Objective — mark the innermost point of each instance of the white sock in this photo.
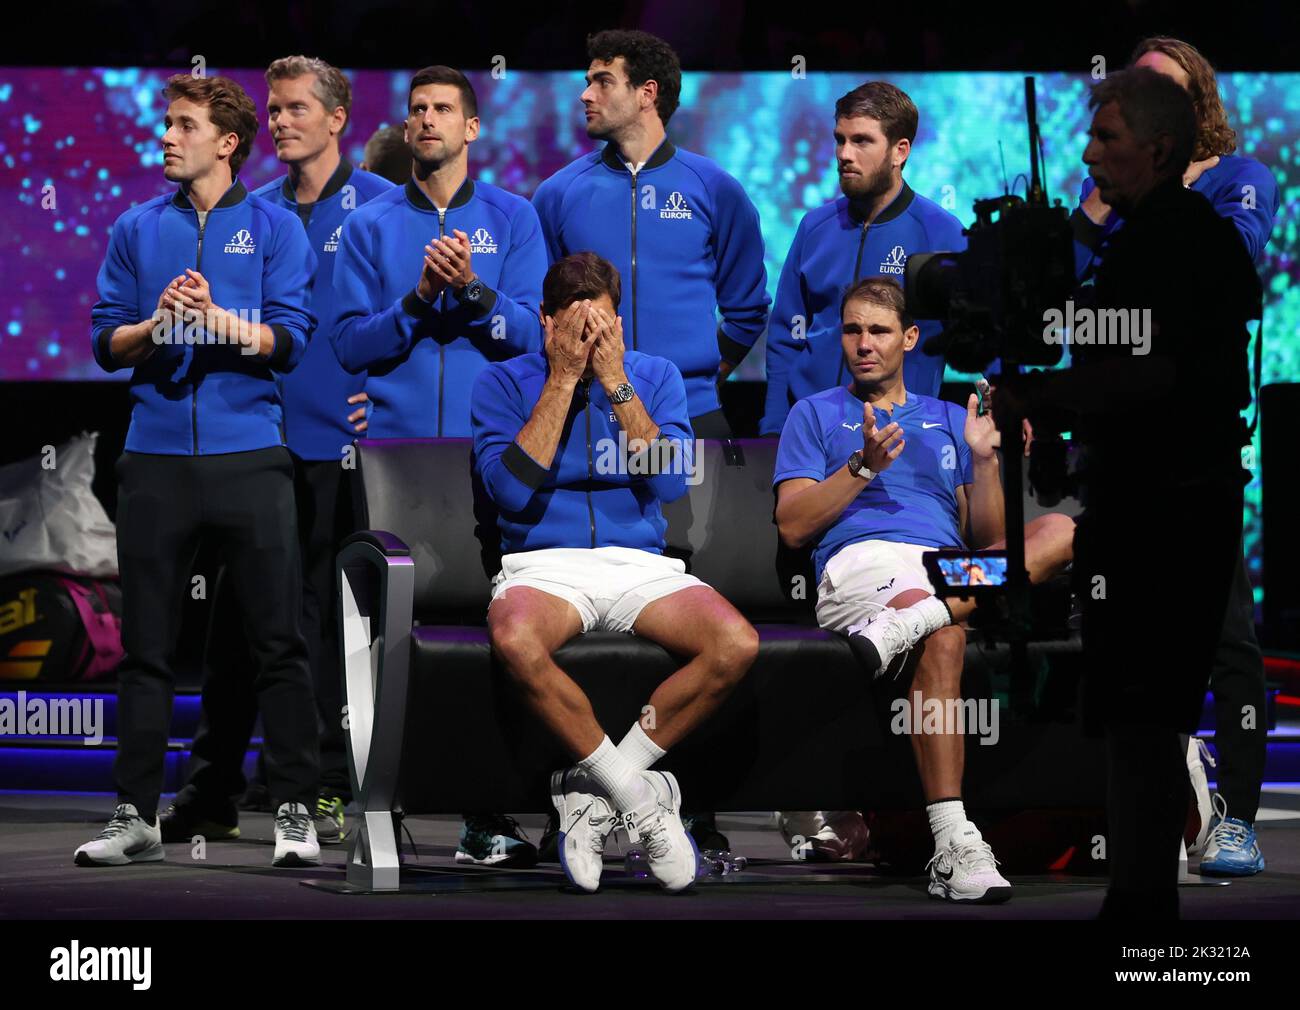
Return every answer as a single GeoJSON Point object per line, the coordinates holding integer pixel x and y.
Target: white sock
{"type": "Point", "coordinates": [919, 619]}
{"type": "Point", "coordinates": [639, 749]}
{"type": "Point", "coordinates": [618, 776]}
{"type": "Point", "coordinates": [946, 816]}
{"type": "Point", "coordinates": [934, 614]}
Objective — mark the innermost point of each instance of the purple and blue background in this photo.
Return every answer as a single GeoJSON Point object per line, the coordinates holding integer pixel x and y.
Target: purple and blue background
{"type": "Point", "coordinates": [80, 146]}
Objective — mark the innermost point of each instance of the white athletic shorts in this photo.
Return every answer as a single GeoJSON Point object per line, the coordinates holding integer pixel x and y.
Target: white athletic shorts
{"type": "Point", "coordinates": [860, 579]}
{"type": "Point", "coordinates": [608, 586]}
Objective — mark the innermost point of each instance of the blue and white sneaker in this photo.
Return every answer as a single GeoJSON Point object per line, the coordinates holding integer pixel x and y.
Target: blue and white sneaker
{"type": "Point", "coordinates": [1232, 849]}
{"type": "Point", "coordinates": [495, 840]}
{"type": "Point", "coordinates": [586, 821]}
{"type": "Point", "coordinates": [656, 826]}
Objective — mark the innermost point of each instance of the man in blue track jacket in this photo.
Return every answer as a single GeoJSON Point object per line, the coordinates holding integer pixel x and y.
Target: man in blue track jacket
{"type": "Point", "coordinates": [577, 447]}
{"type": "Point", "coordinates": [204, 293]}
{"type": "Point", "coordinates": [870, 230]}
{"type": "Point", "coordinates": [308, 105]}
{"type": "Point", "coordinates": [438, 277]}
{"type": "Point", "coordinates": [680, 230]}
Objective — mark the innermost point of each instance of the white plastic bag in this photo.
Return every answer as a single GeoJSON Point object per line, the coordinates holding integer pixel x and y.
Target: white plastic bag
{"type": "Point", "coordinates": [49, 516]}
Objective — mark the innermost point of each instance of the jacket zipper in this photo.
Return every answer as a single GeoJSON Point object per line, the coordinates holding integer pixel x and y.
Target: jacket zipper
{"type": "Point", "coordinates": [194, 394]}
{"type": "Point", "coordinates": [591, 470]}
{"type": "Point", "coordinates": [632, 172]}
{"type": "Point", "coordinates": [857, 266]}
{"type": "Point", "coordinates": [442, 325]}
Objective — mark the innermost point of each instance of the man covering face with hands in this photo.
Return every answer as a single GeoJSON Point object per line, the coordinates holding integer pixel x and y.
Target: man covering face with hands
{"type": "Point", "coordinates": [583, 545]}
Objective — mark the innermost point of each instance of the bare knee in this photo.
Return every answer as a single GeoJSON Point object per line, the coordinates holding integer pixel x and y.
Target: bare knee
{"type": "Point", "coordinates": [1056, 531]}
{"type": "Point", "coordinates": [943, 658]}
{"type": "Point", "coordinates": [518, 645]}
{"type": "Point", "coordinates": [734, 649]}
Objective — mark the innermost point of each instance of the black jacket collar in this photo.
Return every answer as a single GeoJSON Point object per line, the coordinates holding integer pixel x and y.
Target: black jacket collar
{"type": "Point", "coordinates": [1170, 192]}
{"type": "Point", "coordinates": [661, 155]}
{"type": "Point", "coordinates": [235, 194]}
{"type": "Point", "coordinates": [336, 182]}
{"type": "Point", "coordinates": [416, 195]}
{"type": "Point", "coordinates": [895, 209]}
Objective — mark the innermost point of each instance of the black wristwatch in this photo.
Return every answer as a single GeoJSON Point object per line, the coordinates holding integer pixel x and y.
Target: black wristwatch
{"type": "Point", "coordinates": [856, 467]}
{"type": "Point", "coordinates": [471, 293]}
{"type": "Point", "coordinates": [622, 393]}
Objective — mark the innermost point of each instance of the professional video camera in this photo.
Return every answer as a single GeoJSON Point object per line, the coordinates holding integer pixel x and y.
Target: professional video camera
{"type": "Point", "coordinates": [993, 299]}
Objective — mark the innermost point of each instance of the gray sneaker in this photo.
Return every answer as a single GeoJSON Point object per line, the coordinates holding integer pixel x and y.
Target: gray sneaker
{"type": "Point", "coordinates": [330, 829]}
{"type": "Point", "coordinates": [125, 839]}
{"type": "Point", "coordinates": [295, 837]}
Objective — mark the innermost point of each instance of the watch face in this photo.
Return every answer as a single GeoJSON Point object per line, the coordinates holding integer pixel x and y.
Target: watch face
{"type": "Point", "coordinates": [622, 393]}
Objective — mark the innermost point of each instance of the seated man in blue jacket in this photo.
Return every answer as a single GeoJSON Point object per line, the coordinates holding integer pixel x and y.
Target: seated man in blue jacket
{"type": "Point", "coordinates": [578, 446]}
{"type": "Point", "coordinates": [205, 294]}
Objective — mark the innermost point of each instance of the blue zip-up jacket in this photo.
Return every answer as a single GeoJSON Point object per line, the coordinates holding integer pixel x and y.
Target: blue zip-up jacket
{"type": "Point", "coordinates": [687, 244]}
{"type": "Point", "coordinates": [834, 248]}
{"type": "Point", "coordinates": [1241, 189]}
{"type": "Point", "coordinates": [201, 398]}
{"type": "Point", "coordinates": [316, 392]}
{"type": "Point", "coordinates": [423, 359]}
{"type": "Point", "coordinates": [588, 497]}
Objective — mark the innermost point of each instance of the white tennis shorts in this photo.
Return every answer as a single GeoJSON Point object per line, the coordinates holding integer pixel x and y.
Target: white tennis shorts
{"type": "Point", "coordinates": [861, 579]}
{"type": "Point", "coordinates": [608, 586]}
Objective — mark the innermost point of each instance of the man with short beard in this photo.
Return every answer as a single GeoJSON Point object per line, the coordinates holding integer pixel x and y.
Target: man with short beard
{"type": "Point", "coordinates": [436, 280]}
{"type": "Point", "coordinates": [438, 277]}
{"type": "Point", "coordinates": [870, 230]}
{"type": "Point", "coordinates": [681, 232]}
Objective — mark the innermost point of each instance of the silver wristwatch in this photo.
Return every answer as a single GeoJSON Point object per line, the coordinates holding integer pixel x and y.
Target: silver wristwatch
{"type": "Point", "coordinates": [622, 393]}
{"type": "Point", "coordinates": [857, 469]}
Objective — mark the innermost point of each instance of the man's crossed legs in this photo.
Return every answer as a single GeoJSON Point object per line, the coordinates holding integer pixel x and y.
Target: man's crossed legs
{"type": "Point", "coordinates": [879, 594]}
{"type": "Point", "coordinates": [544, 598]}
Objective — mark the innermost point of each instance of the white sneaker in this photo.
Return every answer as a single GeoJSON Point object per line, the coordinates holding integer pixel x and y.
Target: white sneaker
{"type": "Point", "coordinates": [965, 870]}
{"type": "Point", "coordinates": [125, 839]}
{"type": "Point", "coordinates": [1197, 754]}
{"type": "Point", "coordinates": [657, 827]}
{"type": "Point", "coordinates": [295, 837]}
{"type": "Point", "coordinates": [586, 821]}
{"type": "Point", "coordinates": [825, 836]}
{"type": "Point", "coordinates": [884, 637]}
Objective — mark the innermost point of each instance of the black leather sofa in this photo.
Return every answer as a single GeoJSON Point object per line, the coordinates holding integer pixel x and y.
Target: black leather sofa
{"type": "Point", "coordinates": [436, 725]}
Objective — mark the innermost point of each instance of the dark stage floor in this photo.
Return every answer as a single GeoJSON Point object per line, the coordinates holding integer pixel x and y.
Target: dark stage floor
{"type": "Point", "coordinates": [39, 831]}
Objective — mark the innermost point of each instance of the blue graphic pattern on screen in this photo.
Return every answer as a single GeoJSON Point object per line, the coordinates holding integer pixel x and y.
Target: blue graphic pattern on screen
{"type": "Point", "coordinates": [80, 146]}
{"type": "Point", "coordinates": [957, 571]}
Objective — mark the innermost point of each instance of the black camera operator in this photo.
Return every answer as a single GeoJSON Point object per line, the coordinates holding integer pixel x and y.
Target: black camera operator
{"type": "Point", "coordinates": [1155, 406]}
